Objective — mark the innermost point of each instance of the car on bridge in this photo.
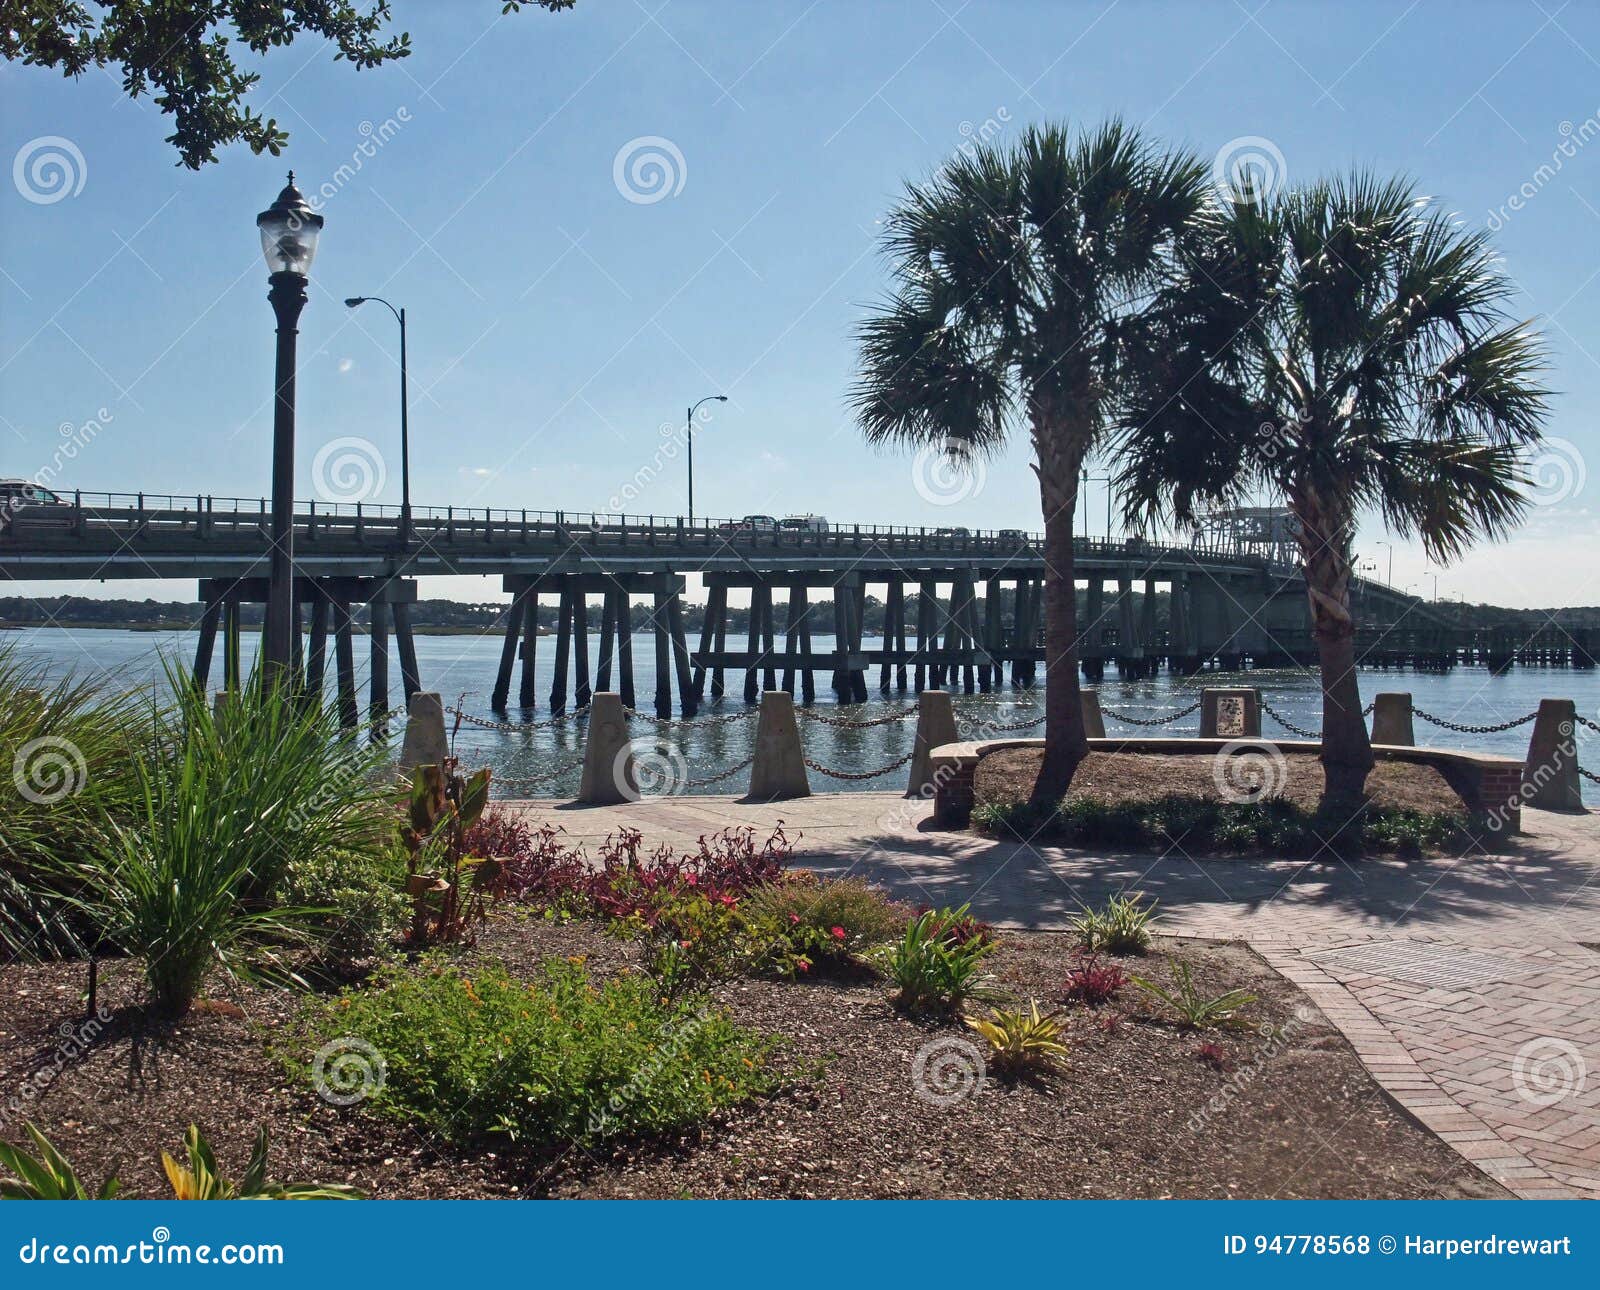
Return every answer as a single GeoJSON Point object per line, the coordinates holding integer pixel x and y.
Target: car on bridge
{"type": "Point", "coordinates": [957, 531]}
{"type": "Point", "coordinates": [749, 524]}
{"type": "Point", "coordinates": [37, 503]}
{"type": "Point", "coordinates": [804, 524]}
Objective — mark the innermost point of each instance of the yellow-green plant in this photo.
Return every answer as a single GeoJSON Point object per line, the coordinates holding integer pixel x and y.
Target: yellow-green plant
{"type": "Point", "coordinates": [1021, 1041]}
{"type": "Point", "coordinates": [46, 1176]}
{"type": "Point", "coordinates": [50, 1176]}
{"type": "Point", "coordinates": [200, 1179]}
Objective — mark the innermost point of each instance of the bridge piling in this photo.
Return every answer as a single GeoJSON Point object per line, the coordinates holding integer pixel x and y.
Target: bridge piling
{"type": "Point", "coordinates": [688, 701]}
{"type": "Point", "coordinates": [608, 641]}
{"type": "Point", "coordinates": [530, 647]}
{"type": "Point", "coordinates": [345, 661]}
{"type": "Point", "coordinates": [582, 693]}
{"type": "Point", "coordinates": [410, 678]}
{"type": "Point", "coordinates": [663, 652]}
{"type": "Point", "coordinates": [378, 643]}
{"type": "Point", "coordinates": [625, 648]}
{"type": "Point", "coordinates": [317, 647]}
{"type": "Point", "coordinates": [209, 618]}
{"type": "Point", "coordinates": [558, 674]}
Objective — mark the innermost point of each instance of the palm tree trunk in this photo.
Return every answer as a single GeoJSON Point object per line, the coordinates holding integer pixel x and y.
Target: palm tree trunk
{"type": "Point", "coordinates": [1065, 743]}
{"type": "Point", "coordinates": [1346, 749]}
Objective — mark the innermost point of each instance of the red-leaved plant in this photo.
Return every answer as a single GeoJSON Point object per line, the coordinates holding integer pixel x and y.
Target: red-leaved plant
{"type": "Point", "coordinates": [1092, 982]}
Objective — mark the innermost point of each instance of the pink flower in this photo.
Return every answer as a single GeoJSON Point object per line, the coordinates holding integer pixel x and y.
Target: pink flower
{"type": "Point", "coordinates": [838, 933]}
{"type": "Point", "coordinates": [794, 919]}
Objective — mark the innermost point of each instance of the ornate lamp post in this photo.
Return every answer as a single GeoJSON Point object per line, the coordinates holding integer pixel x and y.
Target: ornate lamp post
{"type": "Point", "coordinates": [355, 302]}
{"type": "Point", "coordinates": [689, 426]}
{"type": "Point", "coordinates": [289, 231]}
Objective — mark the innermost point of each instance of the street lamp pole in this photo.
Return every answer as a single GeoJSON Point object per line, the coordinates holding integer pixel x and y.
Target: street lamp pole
{"type": "Point", "coordinates": [1388, 577]}
{"type": "Point", "coordinates": [289, 230]}
{"type": "Point", "coordinates": [688, 423]}
{"type": "Point", "coordinates": [405, 400]}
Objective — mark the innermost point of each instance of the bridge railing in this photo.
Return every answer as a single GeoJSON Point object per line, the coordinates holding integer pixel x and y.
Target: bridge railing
{"type": "Point", "coordinates": [207, 515]}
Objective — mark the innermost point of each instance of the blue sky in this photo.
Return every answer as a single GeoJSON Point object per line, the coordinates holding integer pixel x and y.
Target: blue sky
{"type": "Point", "coordinates": [558, 328]}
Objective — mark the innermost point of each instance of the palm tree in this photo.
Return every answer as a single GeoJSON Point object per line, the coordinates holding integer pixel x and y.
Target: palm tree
{"type": "Point", "coordinates": [1345, 347]}
{"type": "Point", "coordinates": [1018, 275]}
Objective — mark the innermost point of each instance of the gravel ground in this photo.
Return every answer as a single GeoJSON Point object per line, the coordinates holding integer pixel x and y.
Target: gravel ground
{"type": "Point", "coordinates": [1133, 1113]}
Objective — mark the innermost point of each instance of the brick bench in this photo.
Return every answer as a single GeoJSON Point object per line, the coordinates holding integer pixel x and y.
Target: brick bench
{"type": "Point", "coordinates": [1490, 785]}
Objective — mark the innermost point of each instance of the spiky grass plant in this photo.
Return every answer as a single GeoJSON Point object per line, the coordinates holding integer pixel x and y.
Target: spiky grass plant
{"type": "Point", "coordinates": [69, 754]}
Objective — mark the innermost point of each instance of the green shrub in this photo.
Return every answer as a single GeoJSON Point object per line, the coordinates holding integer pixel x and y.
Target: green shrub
{"type": "Point", "coordinates": [808, 923]}
{"type": "Point", "coordinates": [1120, 926]}
{"type": "Point", "coordinates": [357, 910]}
{"type": "Point", "coordinates": [930, 970]}
{"type": "Point", "coordinates": [553, 1061]}
{"type": "Point", "coordinates": [689, 940]}
{"type": "Point", "coordinates": [69, 755]}
{"type": "Point", "coordinates": [1273, 826]}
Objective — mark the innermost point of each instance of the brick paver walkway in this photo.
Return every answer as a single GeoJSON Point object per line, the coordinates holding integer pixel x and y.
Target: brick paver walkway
{"type": "Point", "coordinates": [1469, 987]}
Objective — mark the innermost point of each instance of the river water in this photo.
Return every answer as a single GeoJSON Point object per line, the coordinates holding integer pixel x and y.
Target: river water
{"type": "Point", "coordinates": [462, 668]}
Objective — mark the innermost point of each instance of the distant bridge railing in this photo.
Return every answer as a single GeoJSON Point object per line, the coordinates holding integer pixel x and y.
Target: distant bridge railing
{"type": "Point", "coordinates": [205, 516]}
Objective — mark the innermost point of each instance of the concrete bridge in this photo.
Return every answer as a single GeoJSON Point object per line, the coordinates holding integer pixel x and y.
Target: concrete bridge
{"type": "Point", "coordinates": [973, 616]}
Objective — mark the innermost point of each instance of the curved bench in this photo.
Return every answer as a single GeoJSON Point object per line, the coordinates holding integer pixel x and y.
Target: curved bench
{"type": "Point", "coordinates": [1490, 785]}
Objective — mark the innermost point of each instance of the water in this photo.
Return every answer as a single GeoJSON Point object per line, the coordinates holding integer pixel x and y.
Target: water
{"type": "Point", "coordinates": [463, 668]}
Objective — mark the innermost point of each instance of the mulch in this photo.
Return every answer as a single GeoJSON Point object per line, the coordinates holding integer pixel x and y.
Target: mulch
{"type": "Point", "coordinates": [1007, 775]}
{"type": "Point", "coordinates": [1134, 1113]}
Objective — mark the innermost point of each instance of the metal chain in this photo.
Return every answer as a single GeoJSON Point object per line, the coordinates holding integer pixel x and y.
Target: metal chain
{"type": "Point", "coordinates": [1472, 730]}
{"type": "Point", "coordinates": [870, 774]}
{"type": "Point", "coordinates": [1584, 721]}
{"type": "Point", "coordinates": [978, 723]}
{"type": "Point", "coordinates": [844, 723]}
{"type": "Point", "coordinates": [1153, 721]}
{"type": "Point", "coordinates": [517, 727]}
{"type": "Point", "coordinates": [727, 719]}
{"type": "Point", "coordinates": [531, 780]}
{"type": "Point", "coordinates": [1289, 725]}
{"type": "Point", "coordinates": [1589, 775]}
{"type": "Point", "coordinates": [721, 774]}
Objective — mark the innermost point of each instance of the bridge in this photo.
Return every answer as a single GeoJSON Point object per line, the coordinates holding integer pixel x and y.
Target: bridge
{"type": "Point", "coordinates": [1222, 602]}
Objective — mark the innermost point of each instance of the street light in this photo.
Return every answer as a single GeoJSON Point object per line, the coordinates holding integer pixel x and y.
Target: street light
{"type": "Point", "coordinates": [1389, 577]}
{"type": "Point", "coordinates": [688, 422]}
{"type": "Point", "coordinates": [405, 438]}
{"type": "Point", "coordinates": [289, 231]}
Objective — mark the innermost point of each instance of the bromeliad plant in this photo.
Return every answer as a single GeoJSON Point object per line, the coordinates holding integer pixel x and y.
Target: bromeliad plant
{"type": "Point", "coordinates": [1195, 1010]}
{"type": "Point", "coordinates": [50, 1175]}
{"type": "Point", "coordinates": [1021, 1042]}
{"type": "Point", "coordinates": [448, 886]}
{"type": "Point", "coordinates": [1120, 926]}
{"type": "Point", "coordinates": [932, 972]}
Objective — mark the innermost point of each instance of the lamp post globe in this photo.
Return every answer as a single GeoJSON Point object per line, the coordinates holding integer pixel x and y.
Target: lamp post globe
{"type": "Point", "coordinates": [289, 231]}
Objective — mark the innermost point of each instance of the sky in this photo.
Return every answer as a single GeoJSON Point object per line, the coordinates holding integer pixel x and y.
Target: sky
{"type": "Point", "coordinates": [597, 217]}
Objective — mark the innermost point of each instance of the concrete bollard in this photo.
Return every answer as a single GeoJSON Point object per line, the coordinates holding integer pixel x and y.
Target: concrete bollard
{"type": "Point", "coordinates": [608, 775]}
{"type": "Point", "coordinates": [936, 724]}
{"type": "Point", "coordinates": [425, 743]}
{"type": "Point", "coordinates": [1230, 713]}
{"type": "Point", "coordinates": [1550, 775]}
{"type": "Point", "coordinates": [1094, 724]}
{"type": "Point", "coordinates": [219, 706]}
{"type": "Point", "coordinates": [1391, 720]}
{"type": "Point", "coordinates": [779, 770]}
